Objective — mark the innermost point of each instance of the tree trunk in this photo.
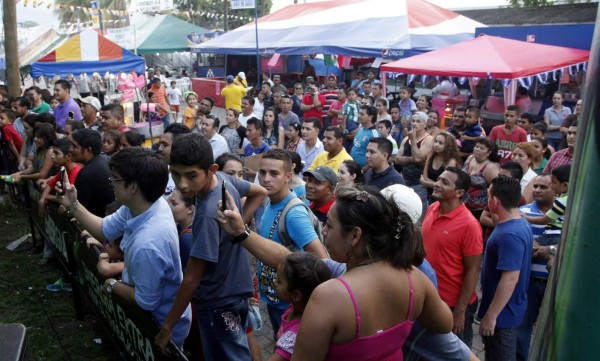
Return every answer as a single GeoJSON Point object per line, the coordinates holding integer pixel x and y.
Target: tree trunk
{"type": "Point", "coordinates": [11, 47]}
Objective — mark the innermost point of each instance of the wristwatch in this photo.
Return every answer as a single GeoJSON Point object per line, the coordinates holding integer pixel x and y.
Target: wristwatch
{"type": "Point", "coordinates": [242, 236]}
{"type": "Point", "coordinates": [345, 132]}
{"type": "Point", "coordinates": [553, 250]}
{"type": "Point", "coordinates": [111, 286]}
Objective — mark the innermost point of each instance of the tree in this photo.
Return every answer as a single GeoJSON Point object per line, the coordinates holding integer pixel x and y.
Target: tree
{"type": "Point", "coordinates": [211, 13]}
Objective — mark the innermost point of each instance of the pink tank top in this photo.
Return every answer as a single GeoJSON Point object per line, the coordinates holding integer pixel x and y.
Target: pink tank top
{"type": "Point", "coordinates": [381, 346]}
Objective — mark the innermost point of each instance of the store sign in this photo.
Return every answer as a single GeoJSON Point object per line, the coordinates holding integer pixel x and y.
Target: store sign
{"type": "Point", "coordinates": [154, 5]}
{"type": "Point", "coordinates": [121, 36]}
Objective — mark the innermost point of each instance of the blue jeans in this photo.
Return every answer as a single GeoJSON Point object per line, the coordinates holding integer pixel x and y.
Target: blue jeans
{"type": "Point", "coordinates": [275, 316]}
{"type": "Point", "coordinates": [166, 120]}
{"type": "Point", "coordinates": [502, 346]}
{"type": "Point", "coordinates": [535, 296]}
{"type": "Point", "coordinates": [223, 332]}
{"type": "Point", "coordinates": [466, 335]}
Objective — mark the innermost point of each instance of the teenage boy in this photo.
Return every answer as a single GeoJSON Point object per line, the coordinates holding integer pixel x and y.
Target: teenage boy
{"type": "Point", "coordinates": [507, 135]}
{"type": "Point", "coordinates": [504, 272]}
{"type": "Point", "coordinates": [253, 134]}
{"type": "Point", "coordinates": [350, 111]}
{"type": "Point", "coordinates": [275, 175]}
{"type": "Point", "coordinates": [150, 243]}
{"type": "Point", "coordinates": [312, 146]}
{"type": "Point", "coordinates": [218, 274]}
{"type": "Point", "coordinates": [10, 136]}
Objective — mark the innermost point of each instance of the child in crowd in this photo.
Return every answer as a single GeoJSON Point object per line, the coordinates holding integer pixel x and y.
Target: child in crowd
{"type": "Point", "coordinates": [71, 127]}
{"type": "Point", "coordinates": [349, 119]}
{"type": "Point", "coordinates": [297, 276]}
{"type": "Point", "coordinates": [472, 132]}
{"type": "Point", "coordinates": [293, 136]}
{"type": "Point", "coordinates": [189, 114]}
{"type": "Point", "coordinates": [61, 157]}
{"type": "Point", "coordinates": [183, 213]}
{"type": "Point", "coordinates": [385, 129]}
{"type": "Point", "coordinates": [10, 137]}
{"type": "Point", "coordinates": [110, 143]}
{"type": "Point", "coordinates": [53, 104]}
{"type": "Point", "coordinates": [539, 130]}
{"type": "Point", "coordinates": [233, 132]}
{"type": "Point", "coordinates": [231, 164]}
{"type": "Point", "coordinates": [407, 105]}
{"type": "Point", "coordinates": [256, 145]}
{"type": "Point", "coordinates": [175, 97]}
{"type": "Point", "coordinates": [131, 138]}
{"type": "Point", "coordinates": [554, 218]}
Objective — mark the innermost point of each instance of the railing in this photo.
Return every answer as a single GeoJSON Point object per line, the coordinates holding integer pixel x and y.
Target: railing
{"type": "Point", "coordinates": [131, 328]}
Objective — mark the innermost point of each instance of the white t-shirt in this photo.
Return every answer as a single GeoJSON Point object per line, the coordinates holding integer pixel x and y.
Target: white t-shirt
{"type": "Point", "coordinates": [174, 95]}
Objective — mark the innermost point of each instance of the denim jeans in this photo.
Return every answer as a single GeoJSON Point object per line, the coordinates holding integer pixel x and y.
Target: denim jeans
{"type": "Point", "coordinates": [535, 296]}
{"type": "Point", "coordinates": [502, 346]}
{"type": "Point", "coordinates": [466, 335]}
{"type": "Point", "coordinates": [275, 316]}
{"type": "Point", "coordinates": [223, 332]}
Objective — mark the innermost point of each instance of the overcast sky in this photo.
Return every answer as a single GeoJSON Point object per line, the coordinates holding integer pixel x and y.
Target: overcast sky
{"type": "Point", "coordinates": [43, 15]}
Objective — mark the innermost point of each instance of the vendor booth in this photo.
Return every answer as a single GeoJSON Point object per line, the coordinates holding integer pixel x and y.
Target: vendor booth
{"type": "Point", "coordinates": [488, 57]}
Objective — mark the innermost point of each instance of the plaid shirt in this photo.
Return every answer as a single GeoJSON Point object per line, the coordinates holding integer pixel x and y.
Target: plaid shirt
{"type": "Point", "coordinates": [562, 157]}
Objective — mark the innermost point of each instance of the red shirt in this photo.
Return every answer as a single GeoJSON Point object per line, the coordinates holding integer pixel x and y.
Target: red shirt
{"type": "Point", "coordinates": [448, 239]}
{"type": "Point", "coordinates": [72, 174]}
{"type": "Point", "coordinates": [562, 157]}
{"type": "Point", "coordinates": [10, 133]}
{"type": "Point", "coordinates": [506, 142]}
{"type": "Point", "coordinates": [322, 211]}
{"type": "Point", "coordinates": [313, 112]}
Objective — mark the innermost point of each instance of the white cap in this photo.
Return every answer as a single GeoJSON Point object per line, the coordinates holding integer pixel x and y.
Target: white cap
{"type": "Point", "coordinates": [242, 75]}
{"type": "Point", "coordinates": [93, 101]}
{"type": "Point", "coordinates": [406, 199]}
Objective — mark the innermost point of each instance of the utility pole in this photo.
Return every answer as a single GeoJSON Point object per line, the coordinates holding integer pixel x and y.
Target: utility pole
{"type": "Point", "coordinates": [226, 12]}
{"type": "Point", "coordinates": [11, 47]}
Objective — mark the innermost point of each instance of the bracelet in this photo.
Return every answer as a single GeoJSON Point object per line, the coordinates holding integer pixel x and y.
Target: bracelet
{"type": "Point", "coordinates": [74, 208]}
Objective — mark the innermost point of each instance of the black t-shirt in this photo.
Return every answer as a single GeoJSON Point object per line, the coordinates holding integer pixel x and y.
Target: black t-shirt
{"type": "Point", "coordinates": [94, 191]}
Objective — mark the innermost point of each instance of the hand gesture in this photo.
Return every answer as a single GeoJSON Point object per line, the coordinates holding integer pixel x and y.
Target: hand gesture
{"type": "Point", "coordinates": [68, 198]}
{"type": "Point", "coordinates": [231, 220]}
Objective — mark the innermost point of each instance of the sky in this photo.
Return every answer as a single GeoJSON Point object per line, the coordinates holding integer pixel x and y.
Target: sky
{"type": "Point", "coordinates": [42, 15]}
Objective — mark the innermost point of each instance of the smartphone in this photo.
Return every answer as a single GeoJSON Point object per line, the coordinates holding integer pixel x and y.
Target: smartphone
{"type": "Point", "coordinates": [223, 197]}
{"type": "Point", "coordinates": [63, 176]}
{"type": "Point", "coordinates": [71, 115]}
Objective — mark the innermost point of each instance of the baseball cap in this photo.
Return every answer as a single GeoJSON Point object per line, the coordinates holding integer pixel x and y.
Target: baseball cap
{"type": "Point", "coordinates": [230, 78]}
{"type": "Point", "coordinates": [93, 101]}
{"type": "Point", "coordinates": [276, 77]}
{"type": "Point", "coordinates": [332, 76]}
{"type": "Point", "coordinates": [323, 173]}
{"type": "Point", "coordinates": [242, 75]}
{"type": "Point", "coordinates": [406, 199]}
{"type": "Point", "coordinates": [420, 115]}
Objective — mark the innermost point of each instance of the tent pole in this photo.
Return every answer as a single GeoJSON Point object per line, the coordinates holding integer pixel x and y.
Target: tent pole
{"type": "Point", "coordinates": [258, 74]}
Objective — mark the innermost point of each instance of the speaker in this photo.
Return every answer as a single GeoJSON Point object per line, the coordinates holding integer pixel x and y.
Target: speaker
{"type": "Point", "coordinates": [13, 342]}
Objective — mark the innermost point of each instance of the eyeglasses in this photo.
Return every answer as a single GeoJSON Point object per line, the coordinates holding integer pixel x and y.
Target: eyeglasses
{"type": "Point", "coordinates": [112, 180]}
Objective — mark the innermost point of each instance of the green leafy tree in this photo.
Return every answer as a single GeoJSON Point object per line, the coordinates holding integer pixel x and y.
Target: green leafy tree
{"type": "Point", "coordinates": [81, 12]}
{"type": "Point", "coordinates": [212, 13]}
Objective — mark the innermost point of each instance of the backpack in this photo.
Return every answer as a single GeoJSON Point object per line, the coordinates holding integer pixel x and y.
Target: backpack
{"type": "Point", "coordinates": [281, 230]}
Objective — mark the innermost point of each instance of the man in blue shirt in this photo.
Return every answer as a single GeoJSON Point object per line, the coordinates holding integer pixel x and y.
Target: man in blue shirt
{"type": "Point", "coordinates": [367, 117]}
{"type": "Point", "coordinates": [152, 273]}
{"type": "Point", "coordinates": [62, 93]}
{"type": "Point", "coordinates": [505, 272]}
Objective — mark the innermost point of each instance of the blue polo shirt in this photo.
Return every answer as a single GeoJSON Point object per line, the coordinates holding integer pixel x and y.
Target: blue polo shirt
{"type": "Point", "coordinates": [152, 262]}
{"type": "Point", "coordinates": [62, 112]}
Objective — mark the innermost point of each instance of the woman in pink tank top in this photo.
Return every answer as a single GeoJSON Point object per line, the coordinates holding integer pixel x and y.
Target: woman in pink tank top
{"type": "Point", "coordinates": [368, 312]}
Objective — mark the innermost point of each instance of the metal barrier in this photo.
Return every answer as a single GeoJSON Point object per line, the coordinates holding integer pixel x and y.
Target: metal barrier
{"type": "Point", "coordinates": [131, 328]}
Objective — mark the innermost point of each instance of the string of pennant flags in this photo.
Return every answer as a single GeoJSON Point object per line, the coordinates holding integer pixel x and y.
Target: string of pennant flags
{"type": "Point", "coordinates": [122, 14]}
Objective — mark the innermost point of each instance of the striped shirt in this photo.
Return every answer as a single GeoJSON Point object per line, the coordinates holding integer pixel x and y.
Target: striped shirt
{"type": "Point", "coordinates": [557, 214]}
{"type": "Point", "coordinates": [562, 157]}
{"type": "Point", "coordinates": [538, 265]}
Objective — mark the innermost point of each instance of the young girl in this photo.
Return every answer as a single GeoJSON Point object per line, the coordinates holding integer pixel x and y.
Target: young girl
{"type": "Point", "coordinates": [539, 130]}
{"type": "Point", "coordinates": [183, 213]}
{"type": "Point", "coordinates": [293, 137]}
{"type": "Point", "coordinates": [433, 119]}
{"type": "Point", "coordinates": [423, 103]}
{"type": "Point", "coordinates": [382, 113]}
{"type": "Point", "coordinates": [272, 133]}
{"type": "Point", "coordinates": [350, 173]}
{"type": "Point", "coordinates": [445, 154]}
{"type": "Point", "coordinates": [297, 183]}
{"type": "Point", "coordinates": [189, 114]}
{"type": "Point", "coordinates": [110, 143]}
{"type": "Point", "coordinates": [297, 276]}
{"type": "Point", "coordinates": [231, 164]}
{"type": "Point", "coordinates": [539, 160]}
{"type": "Point", "coordinates": [233, 132]}
{"type": "Point", "coordinates": [259, 104]}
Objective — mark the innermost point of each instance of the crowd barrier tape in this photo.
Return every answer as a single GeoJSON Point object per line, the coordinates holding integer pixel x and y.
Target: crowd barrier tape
{"type": "Point", "coordinates": [131, 328]}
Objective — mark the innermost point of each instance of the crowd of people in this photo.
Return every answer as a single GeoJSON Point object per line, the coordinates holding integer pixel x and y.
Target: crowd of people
{"type": "Point", "coordinates": [356, 198]}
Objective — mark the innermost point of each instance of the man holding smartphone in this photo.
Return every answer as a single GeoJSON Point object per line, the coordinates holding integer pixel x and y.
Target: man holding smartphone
{"type": "Point", "coordinates": [312, 103]}
{"type": "Point", "coordinates": [62, 92]}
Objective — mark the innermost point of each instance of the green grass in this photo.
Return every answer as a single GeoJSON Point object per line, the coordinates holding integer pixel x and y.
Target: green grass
{"type": "Point", "coordinates": [53, 332]}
